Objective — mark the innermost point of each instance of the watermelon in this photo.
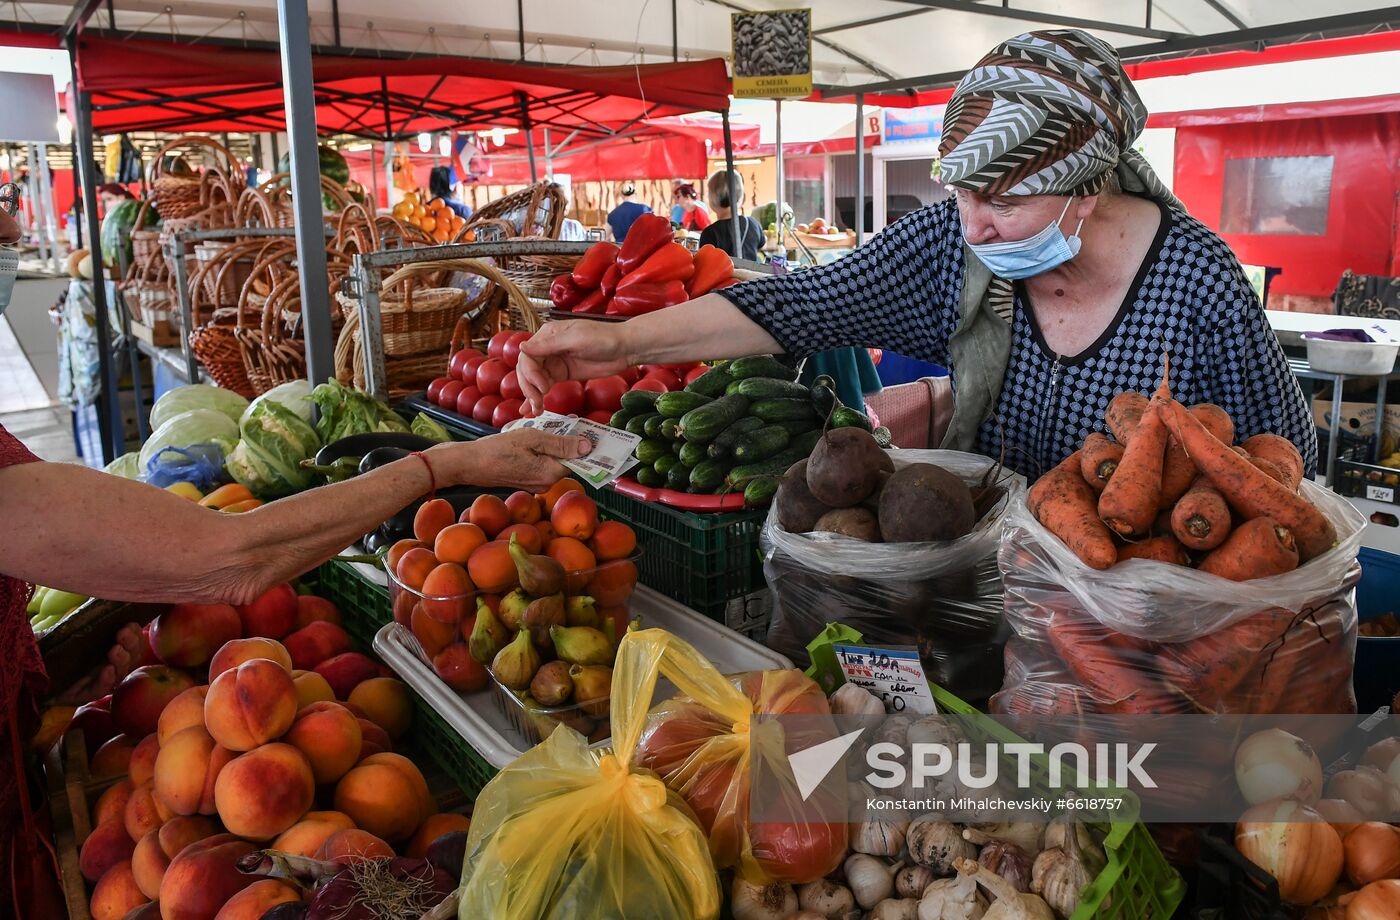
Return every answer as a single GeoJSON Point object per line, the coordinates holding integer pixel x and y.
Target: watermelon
{"type": "Point", "coordinates": [333, 166]}
{"type": "Point", "coordinates": [117, 227]}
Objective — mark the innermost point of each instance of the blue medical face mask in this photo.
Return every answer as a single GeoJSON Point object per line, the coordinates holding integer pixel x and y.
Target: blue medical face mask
{"type": "Point", "coordinates": [1032, 256]}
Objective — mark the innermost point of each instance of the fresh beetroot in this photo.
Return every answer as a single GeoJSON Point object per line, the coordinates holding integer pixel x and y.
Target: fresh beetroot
{"type": "Point", "coordinates": [372, 888]}
{"type": "Point", "coordinates": [449, 852]}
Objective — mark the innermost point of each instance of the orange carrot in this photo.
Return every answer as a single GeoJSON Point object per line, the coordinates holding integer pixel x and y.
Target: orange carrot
{"type": "Point", "coordinates": [1178, 472]}
{"type": "Point", "coordinates": [1165, 548]}
{"type": "Point", "coordinates": [1163, 524]}
{"type": "Point", "coordinates": [1258, 548]}
{"type": "Point", "coordinates": [1208, 668]}
{"type": "Point", "coordinates": [1247, 488]}
{"type": "Point", "coordinates": [1128, 504]}
{"type": "Point", "coordinates": [1123, 415]}
{"type": "Point", "coordinates": [1201, 520]}
{"type": "Point", "coordinates": [1100, 458]}
{"type": "Point", "coordinates": [1063, 502]}
{"type": "Point", "coordinates": [1216, 420]}
{"type": "Point", "coordinates": [1273, 471]}
{"type": "Point", "coordinates": [1117, 670]}
{"type": "Point", "coordinates": [1281, 452]}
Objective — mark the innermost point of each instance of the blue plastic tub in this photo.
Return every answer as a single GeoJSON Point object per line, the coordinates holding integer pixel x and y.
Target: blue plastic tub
{"type": "Point", "coordinates": [1377, 675]}
{"type": "Point", "coordinates": [896, 369]}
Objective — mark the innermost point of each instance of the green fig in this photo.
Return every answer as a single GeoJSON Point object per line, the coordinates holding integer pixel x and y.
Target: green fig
{"type": "Point", "coordinates": [516, 664]}
{"type": "Point", "coordinates": [539, 575]}
{"type": "Point", "coordinates": [581, 645]}
{"type": "Point", "coordinates": [543, 613]}
{"type": "Point", "coordinates": [592, 687]}
{"type": "Point", "coordinates": [489, 634]}
{"type": "Point", "coordinates": [546, 722]}
{"type": "Point", "coordinates": [36, 601]}
{"type": "Point", "coordinates": [552, 684]}
{"type": "Point", "coordinates": [512, 609]}
{"type": "Point", "coordinates": [581, 611]}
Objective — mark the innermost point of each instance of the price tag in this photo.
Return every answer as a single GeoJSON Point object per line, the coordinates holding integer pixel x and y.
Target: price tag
{"type": "Point", "coordinates": [1380, 493]}
{"type": "Point", "coordinates": [895, 675]}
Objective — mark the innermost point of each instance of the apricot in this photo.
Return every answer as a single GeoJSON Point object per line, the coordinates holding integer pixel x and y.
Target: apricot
{"type": "Point", "coordinates": [236, 652]}
{"type": "Point", "coordinates": [344, 672]}
{"type": "Point", "coordinates": [116, 894]}
{"type": "Point", "coordinates": [352, 844]}
{"type": "Point", "coordinates": [202, 877]}
{"type": "Point", "coordinates": [457, 542]}
{"type": "Point", "coordinates": [186, 770]}
{"type": "Point", "coordinates": [405, 602]}
{"type": "Point", "coordinates": [550, 497]}
{"type": "Point", "coordinates": [187, 635]}
{"type": "Point", "coordinates": [386, 702]}
{"type": "Point", "coordinates": [613, 540]}
{"type": "Point", "coordinates": [395, 553]}
{"type": "Point", "coordinates": [250, 704]}
{"type": "Point", "coordinates": [265, 791]}
{"type": "Point", "coordinates": [375, 739]}
{"type": "Point", "coordinates": [492, 570]}
{"type": "Point", "coordinates": [414, 567]}
{"type": "Point", "coordinates": [386, 795]}
{"type": "Point", "coordinates": [433, 827]}
{"type": "Point", "coordinates": [527, 535]}
{"type": "Point", "coordinates": [613, 583]}
{"type": "Point", "coordinates": [313, 609]}
{"type": "Point", "coordinates": [577, 560]}
{"type": "Point", "coordinates": [546, 532]}
{"type": "Point", "coordinates": [575, 515]}
{"type": "Point", "coordinates": [142, 813]}
{"type": "Point", "coordinates": [489, 513]}
{"type": "Point", "coordinates": [432, 634]}
{"type": "Point", "coordinates": [314, 643]}
{"type": "Point", "coordinates": [180, 713]}
{"type": "Point", "coordinates": [311, 688]}
{"type": "Point", "coordinates": [112, 802]}
{"type": "Point", "coordinates": [112, 759]}
{"type": "Point", "coordinates": [107, 845]}
{"type": "Point", "coordinates": [447, 591]}
{"type": "Point", "coordinates": [431, 517]}
{"type": "Point", "coordinates": [142, 765]}
{"type": "Point", "coordinates": [328, 735]}
{"type": "Point", "coordinates": [523, 508]}
{"type": "Point", "coordinates": [305, 837]}
{"type": "Point", "coordinates": [257, 899]}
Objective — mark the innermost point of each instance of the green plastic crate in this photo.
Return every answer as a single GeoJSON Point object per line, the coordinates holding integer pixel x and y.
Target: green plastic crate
{"type": "Point", "coordinates": [1143, 886]}
{"type": "Point", "coordinates": [364, 605]}
{"type": "Point", "coordinates": [449, 750]}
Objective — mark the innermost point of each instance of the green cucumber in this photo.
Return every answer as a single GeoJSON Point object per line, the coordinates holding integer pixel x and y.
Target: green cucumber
{"type": "Point", "coordinates": [776, 465]}
{"type": "Point", "coordinates": [637, 424]}
{"type": "Point", "coordinates": [620, 418]}
{"type": "Point", "coordinates": [676, 447]}
{"type": "Point", "coordinates": [761, 444]}
{"type": "Point", "coordinates": [783, 410]}
{"type": "Point", "coordinates": [663, 464]}
{"type": "Point", "coordinates": [651, 450]}
{"type": "Point", "coordinates": [639, 402]}
{"type": "Point", "coordinates": [794, 427]}
{"type": "Point", "coordinates": [721, 447]}
{"type": "Point", "coordinates": [678, 478]}
{"type": "Point", "coordinates": [712, 382]}
{"type": "Point", "coordinates": [706, 423]}
{"type": "Point", "coordinates": [670, 428]}
{"type": "Point", "coordinates": [652, 426]}
{"type": "Point", "coordinates": [675, 405]}
{"type": "Point", "coordinates": [824, 400]}
{"type": "Point", "coordinates": [883, 437]}
{"type": "Point", "coordinates": [770, 388]}
{"type": "Point", "coordinates": [733, 388]}
{"type": "Point", "coordinates": [846, 417]}
{"type": "Point", "coordinates": [650, 478]}
{"type": "Point", "coordinates": [761, 366]}
{"type": "Point", "coordinates": [759, 492]}
{"type": "Point", "coordinates": [693, 454]}
{"type": "Point", "coordinates": [708, 476]}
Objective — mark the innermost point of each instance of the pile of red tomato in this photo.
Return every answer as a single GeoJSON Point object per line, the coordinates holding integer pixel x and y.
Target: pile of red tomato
{"type": "Point", "coordinates": [485, 388]}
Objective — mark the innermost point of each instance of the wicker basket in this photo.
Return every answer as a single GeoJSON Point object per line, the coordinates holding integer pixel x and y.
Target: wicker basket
{"type": "Point", "coordinates": [180, 196]}
{"type": "Point", "coordinates": [272, 353]}
{"type": "Point", "coordinates": [534, 211]}
{"type": "Point", "coordinates": [216, 347]}
{"type": "Point", "coordinates": [535, 273]}
{"type": "Point", "coordinates": [145, 244]}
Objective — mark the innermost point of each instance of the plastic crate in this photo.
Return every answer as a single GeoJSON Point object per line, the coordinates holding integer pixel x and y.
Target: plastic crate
{"type": "Point", "coordinates": [1230, 887]}
{"type": "Point", "coordinates": [1137, 883]}
{"type": "Point", "coordinates": [449, 750]}
{"type": "Point", "coordinates": [364, 605]}
{"type": "Point", "coordinates": [1376, 677]}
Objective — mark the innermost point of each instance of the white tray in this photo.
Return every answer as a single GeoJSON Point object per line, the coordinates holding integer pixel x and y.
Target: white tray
{"type": "Point", "coordinates": [484, 725]}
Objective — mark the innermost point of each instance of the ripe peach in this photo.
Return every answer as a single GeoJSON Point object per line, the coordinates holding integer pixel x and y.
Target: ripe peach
{"type": "Point", "coordinates": [489, 513]}
{"type": "Point", "coordinates": [265, 791]}
{"type": "Point", "coordinates": [313, 609]}
{"type": "Point", "coordinates": [349, 845]}
{"type": "Point", "coordinates": [202, 877]}
{"type": "Point", "coordinates": [314, 643]}
{"type": "Point", "coordinates": [257, 899]}
{"type": "Point", "coordinates": [272, 614]}
{"type": "Point", "coordinates": [155, 850]}
{"type": "Point", "coordinates": [574, 515]}
{"type": "Point", "coordinates": [185, 710]}
{"type": "Point", "coordinates": [550, 497]}
{"type": "Point", "coordinates": [345, 671]}
{"type": "Point", "coordinates": [447, 593]}
{"type": "Point", "coordinates": [148, 911]}
{"type": "Point", "coordinates": [186, 770]}
{"type": "Point", "coordinates": [138, 700]}
{"type": "Point", "coordinates": [339, 818]}
{"type": "Point", "coordinates": [94, 720]}
{"type": "Point", "coordinates": [387, 703]}
{"type": "Point", "coordinates": [112, 803]}
{"type": "Point", "coordinates": [613, 583]}
{"type": "Point", "coordinates": [386, 795]}
{"type": "Point", "coordinates": [491, 568]}
{"type": "Point", "coordinates": [613, 540]}
{"type": "Point", "coordinates": [107, 845]}
{"type": "Point", "coordinates": [112, 759]}
{"type": "Point", "coordinates": [527, 535]}
{"type": "Point", "coordinates": [457, 542]}
{"type": "Point", "coordinates": [433, 827]}
{"type": "Point", "coordinates": [234, 653]}
{"type": "Point", "coordinates": [432, 634]}
{"type": "Point", "coordinates": [374, 740]}
{"type": "Point", "coordinates": [187, 635]}
{"type": "Point", "coordinates": [328, 735]}
{"type": "Point", "coordinates": [250, 704]}
{"type": "Point", "coordinates": [142, 765]}
{"type": "Point", "coordinates": [305, 837]}
{"type": "Point", "coordinates": [577, 560]}
{"type": "Point", "coordinates": [143, 814]}
{"type": "Point", "coordinates": [311, 688]}
{"type": "Point", "coordinates": [116, 894]}
{"type": "Point", "coordinates": [523, 508]}
{"type": "Point", "coordinates": [431, 517]}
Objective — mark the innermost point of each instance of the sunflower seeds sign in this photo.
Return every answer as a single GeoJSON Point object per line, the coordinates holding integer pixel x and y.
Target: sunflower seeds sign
{"type": "Point", "coordinates": [772, 54]}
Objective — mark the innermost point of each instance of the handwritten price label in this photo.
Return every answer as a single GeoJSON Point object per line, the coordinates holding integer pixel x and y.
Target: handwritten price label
{"type": "Point", "coordinates": [894, 675]}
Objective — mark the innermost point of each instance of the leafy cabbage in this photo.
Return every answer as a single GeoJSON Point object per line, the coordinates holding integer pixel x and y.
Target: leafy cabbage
{"type": "Point", "coordinates": [275, 442]}
{"type": "Point", "coordinates": [197, 396]}
{"type": "Point", "coordinates": [427, 427]}
{"type": "Point", "coordinates": [346, 411]}
{"type": "Point", "coordinates": [295, 395]}
{"type": "Point", "coordinates": [197, 426]}
{"type": "Point", "coordinates": [127, 466]}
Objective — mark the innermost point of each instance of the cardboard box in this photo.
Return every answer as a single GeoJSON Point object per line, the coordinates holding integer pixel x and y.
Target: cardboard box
{"type": "Point", "coordinates": [163, 334]}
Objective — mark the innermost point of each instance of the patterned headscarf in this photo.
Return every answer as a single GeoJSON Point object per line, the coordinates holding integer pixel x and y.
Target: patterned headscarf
{"type": "Point", "coordinates": [1046, 113]}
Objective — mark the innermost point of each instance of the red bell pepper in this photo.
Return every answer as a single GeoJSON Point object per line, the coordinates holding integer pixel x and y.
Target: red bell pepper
{"type": "Point", "coordinates": [647, 234]}
{"type": "Point", "coordinates": [595, 302]}
{"type": "Point", "coordinates": [610, 278]}
{"type": "Point", "coordinates": [712, 266]}
{"type": "Point", "coordinates": [646, 298]}
{"type": "Point", "coordinates": [564, 293]}
{"type": "Point", "coordinates": [589, 271]}
{"type": "Point", "coordinates": [672, 262]}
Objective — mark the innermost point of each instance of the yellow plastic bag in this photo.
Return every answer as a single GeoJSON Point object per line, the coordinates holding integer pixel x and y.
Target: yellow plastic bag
{"type": "Point", "coordinates": [568, 833]}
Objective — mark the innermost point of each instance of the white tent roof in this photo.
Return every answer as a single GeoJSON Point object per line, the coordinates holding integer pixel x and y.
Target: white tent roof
{"type": "Point", "coordinates": [857, 42]}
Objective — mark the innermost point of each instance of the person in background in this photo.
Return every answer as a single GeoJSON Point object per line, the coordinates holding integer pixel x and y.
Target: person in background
{"type": "Point", "coordinates": [721, 232]}
{"type": "Point", "coordinates": [621, 218]}
{"type": "Point", "coordinates": [694, 214]}
{"type": "Point", "coordinates": [440, 186]}
{"type": "Point", "coordinates": [111, 195]}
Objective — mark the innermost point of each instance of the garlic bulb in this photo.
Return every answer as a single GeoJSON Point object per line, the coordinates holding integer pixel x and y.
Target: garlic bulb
{"type": "Point", "coordinates": [935, 730]}
{"type": "Point", "coordinates": [761, 902]}
{"type": "Point", "coordinates": [937, 844]}
{"type": "Point", "coordinates": [894, 729]}
{"type": "Point", "coordinates": [879, 838]}
{"type": "Point", "coordinates": [870, 879]}
{"type": "Point", "coordinates": [1030, 837]}
{"type": "Point", "coordinates": [911, 881]}
{"type": "Point", "coordinates": [1057, 834]}
{"type": "Point", "coordinates": [850, 700]}
{"type": "Point", "coordinates": [1009, 861]}
{"type": "Point", "coordinates": [826, 898]}
{"type": "Point", "coordinates": [1059, 875]}
{"type": "Point", "coordinates": [1010, 904]}
{"type": "Point", "coordinates": [952, 899]}
{"type": "Point", "coordinates": [895, 909]}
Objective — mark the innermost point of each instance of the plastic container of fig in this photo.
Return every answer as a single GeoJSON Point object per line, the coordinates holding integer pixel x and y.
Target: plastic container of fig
{"type": "Point", "coordinates": [945, 597]}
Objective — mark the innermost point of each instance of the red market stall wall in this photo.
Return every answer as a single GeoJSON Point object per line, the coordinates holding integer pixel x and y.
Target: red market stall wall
{"type": "Point", "coordinates": [1314, 196]}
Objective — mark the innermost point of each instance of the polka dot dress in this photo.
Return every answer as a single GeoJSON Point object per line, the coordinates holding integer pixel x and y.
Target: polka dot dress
{"type": "Point", "coordinates": [900, 292]}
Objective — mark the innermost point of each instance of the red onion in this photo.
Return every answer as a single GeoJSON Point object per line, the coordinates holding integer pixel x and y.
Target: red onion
{"type": "Point", "coordinates": [376, 889]}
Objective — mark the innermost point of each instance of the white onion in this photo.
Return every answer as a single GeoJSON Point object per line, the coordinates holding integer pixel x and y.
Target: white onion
{"type": "Point", "coordinates": [1273, 764]}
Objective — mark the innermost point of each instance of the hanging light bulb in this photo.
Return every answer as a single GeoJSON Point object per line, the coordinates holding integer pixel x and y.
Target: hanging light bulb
{"type": "Point", "coordinates": [425, 142]}
{"type": "Point", "coordinates": [498, 136]}
{"type": "Point", "coordinates": [444, 145]}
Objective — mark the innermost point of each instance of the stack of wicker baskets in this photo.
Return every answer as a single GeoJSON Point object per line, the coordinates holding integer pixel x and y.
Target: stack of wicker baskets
{"type": "Point", "coordinates": [535, 212]}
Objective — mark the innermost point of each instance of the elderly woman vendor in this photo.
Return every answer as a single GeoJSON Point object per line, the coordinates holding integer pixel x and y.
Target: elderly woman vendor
{"type": "Point", "coordinates": [1056, 278]}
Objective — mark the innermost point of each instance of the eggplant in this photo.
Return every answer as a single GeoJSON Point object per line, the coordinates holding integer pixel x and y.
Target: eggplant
{"type": "Point", "coordinates": [357, 445]}
{"type": "Point", "coordinates": [382, 456]}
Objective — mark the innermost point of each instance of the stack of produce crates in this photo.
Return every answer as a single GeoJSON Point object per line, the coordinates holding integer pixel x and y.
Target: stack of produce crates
{"type": "Point", "coordinates": [364, 606]}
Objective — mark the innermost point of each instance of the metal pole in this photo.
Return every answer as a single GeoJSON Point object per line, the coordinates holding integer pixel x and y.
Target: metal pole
{"type": "Point", "coordinates": [77, 190]}
{"type": "Point", "coordinates": [46, 192]}
{"type": "Point", "coordinates": [778, 139]}
{"type": "Point", "coordinates": [736, 225]}
{"type": "Point", "coordinates": [529, 137]}
{"type": "Point", "coordinates": [367, 284]}
{"type": "Point", "coordinates": [860, 167]}
{"type": "Point", "coordinates": [108, 401]}
{"type": "Point", "coordinates": [182, 295]}
{"type": "Point", "coordinates": [373, 182]}
{"type": "Point", "coordinates": [520, 12]}
{"type": "Point", "coordinates": [548, 157]}
{"type": "Point", "coordinates": [388, 174]}
{"type": "Point", "coordinates": [675, 38]}
{"type": "Point", "coordinates": [36, 204]}
{"type": "Point", "coordinates": [299, 91]}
